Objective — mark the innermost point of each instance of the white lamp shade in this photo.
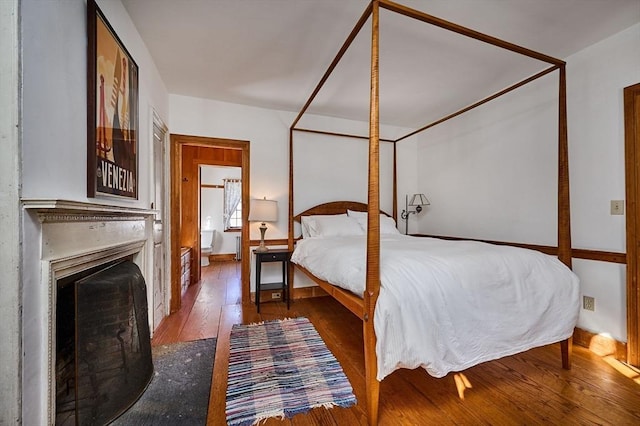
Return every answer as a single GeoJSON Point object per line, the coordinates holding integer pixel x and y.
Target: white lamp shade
{"type": "Point", "coordinates": [263, 210]}
{"type": "Point", "coordinates": [419, 200]}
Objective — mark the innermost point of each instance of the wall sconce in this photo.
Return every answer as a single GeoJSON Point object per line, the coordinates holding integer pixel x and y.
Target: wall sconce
{"type": "Point", "coordinates": [417, 201]}
{"type": "Point", "coordinates": [263, 211]}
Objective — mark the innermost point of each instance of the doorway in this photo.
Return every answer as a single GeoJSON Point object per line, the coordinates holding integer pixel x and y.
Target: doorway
{"type": "Point", "coordinates": [220, 213]}
{"type": "Point", "coordinates": [188, 153]}
{"type": "Point", "coordinates": [632, 177]}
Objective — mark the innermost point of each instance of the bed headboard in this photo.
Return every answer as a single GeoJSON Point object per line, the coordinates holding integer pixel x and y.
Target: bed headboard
{"type": "Point", "coordinates": [334, 207]}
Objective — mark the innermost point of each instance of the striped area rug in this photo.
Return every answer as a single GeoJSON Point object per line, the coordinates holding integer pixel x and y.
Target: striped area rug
{"type": "Point", "coordinates": [279, 369]}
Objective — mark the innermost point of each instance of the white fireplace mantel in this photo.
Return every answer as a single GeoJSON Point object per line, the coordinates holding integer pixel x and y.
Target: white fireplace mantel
{"type": "Point", "coordinates": [66, 237]}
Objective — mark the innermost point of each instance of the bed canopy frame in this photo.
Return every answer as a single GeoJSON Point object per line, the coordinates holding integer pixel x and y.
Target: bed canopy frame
{"type": "Point", "coordinates": [365, 307]}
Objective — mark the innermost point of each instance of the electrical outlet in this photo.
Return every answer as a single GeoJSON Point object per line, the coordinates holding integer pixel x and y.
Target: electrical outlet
{"type": "Point", "coordinates": [275, 295]}
{"type": "Point", "coordinates": [617, 207]}
{"type": "Point", "coordinates": [589, 303]}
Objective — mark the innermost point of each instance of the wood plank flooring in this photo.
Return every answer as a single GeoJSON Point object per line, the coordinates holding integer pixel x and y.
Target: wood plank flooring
{"type": "Point", "coordinates": [199, 315]}
{"type": "Point", "coordinates": [525, 389]}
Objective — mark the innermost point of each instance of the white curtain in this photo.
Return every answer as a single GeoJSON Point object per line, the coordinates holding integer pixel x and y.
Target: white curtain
{"type": "Point", "coordinates": [232, 197]}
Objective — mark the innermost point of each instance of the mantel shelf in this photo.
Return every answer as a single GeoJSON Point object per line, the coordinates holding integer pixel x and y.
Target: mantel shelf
{"type": "Point", "coordinates": [80, 208]}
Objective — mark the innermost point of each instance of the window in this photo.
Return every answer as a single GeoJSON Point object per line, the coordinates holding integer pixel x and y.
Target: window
{"type": "Point", "coordinates": [236, 218]}
{"type": "Point", "coordinates": [232, 204]}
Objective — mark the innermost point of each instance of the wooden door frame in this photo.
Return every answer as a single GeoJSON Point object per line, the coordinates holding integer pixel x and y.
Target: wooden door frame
{"type": "Point", "coordinates": [178, 142]}
{"type": "Point", "coordinates": [632, 177]}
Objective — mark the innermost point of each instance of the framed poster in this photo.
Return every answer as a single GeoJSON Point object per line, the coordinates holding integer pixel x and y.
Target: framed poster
{"type": "Point", "coordinates": [112, 111]}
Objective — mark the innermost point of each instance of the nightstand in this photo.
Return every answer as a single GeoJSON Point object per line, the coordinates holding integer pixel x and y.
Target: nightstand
{"type": "Point", "coordinates": [273, 255]}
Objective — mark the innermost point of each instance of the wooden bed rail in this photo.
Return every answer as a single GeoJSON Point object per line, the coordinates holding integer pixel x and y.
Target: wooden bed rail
{"type": "Point", "coordinates": [346, 298]}
{"type": "Point", "coordinates": [468, 32]}
{"type": "Point", "coordinates": [479, 103]}
{"type": "Point", "coordinates": [576, 253]}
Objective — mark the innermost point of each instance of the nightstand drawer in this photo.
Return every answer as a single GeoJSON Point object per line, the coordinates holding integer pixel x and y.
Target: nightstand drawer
{"type": "Point", "coordinates": [273, 257]}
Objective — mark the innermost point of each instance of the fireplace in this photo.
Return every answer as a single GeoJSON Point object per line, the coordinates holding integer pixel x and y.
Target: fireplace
{"type": "Point", "coordinates": [103, 349]}
{"type": "Point", "coordinates": [69, 242]}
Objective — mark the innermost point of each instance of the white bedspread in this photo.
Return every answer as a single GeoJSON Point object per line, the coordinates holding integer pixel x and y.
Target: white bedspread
{"type": "Point", "coordinates": [448, 305]}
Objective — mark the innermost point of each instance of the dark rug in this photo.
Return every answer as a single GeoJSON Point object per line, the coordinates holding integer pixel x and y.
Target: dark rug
{"type": "Point", "coordinates": [178, 393]}
{"type": "Point", "coordinates": [279, 369]}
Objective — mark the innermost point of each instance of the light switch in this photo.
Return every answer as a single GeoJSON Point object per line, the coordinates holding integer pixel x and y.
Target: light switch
{"type": "Point", "coordinates": [617, 207]}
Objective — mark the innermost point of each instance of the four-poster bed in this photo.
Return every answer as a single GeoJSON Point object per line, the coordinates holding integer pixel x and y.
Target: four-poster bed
{"type": "Point", "coordinates": [444, 305]}
{"type": "Point", "coordinates": [364, 307]}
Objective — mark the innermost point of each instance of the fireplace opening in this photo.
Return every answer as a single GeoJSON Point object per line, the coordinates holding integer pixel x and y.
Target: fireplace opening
{"type": "Point", "coordinates": [103, 346]}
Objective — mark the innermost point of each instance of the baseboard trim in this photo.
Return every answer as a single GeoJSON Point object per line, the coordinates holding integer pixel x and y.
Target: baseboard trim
{"type": "Point", "coordinates": [308, 292]}
{"type": "Point", "coordinates": [222, 257]}
{"type": "Point", "coordinates": [600, 345]}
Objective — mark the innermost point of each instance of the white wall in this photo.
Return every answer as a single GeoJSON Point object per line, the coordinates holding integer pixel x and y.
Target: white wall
{"type": "Point", "coordinates": [10, 288]}
{"type": "Point", "coordinates": [407, 175]}
{"type": "Point", "coordinates": [54, 143]}
{"type": "Point", "coordinates": [336, 168]}
{"type": "Point", "coordinates": [596, 78]}
{"type": "Point", "coordinates": [492, 172]}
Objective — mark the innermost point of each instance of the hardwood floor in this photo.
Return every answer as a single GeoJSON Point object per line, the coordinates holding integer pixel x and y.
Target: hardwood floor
{"type": "Point", "coordinates": [199, 316]}
{"type": "Point", "coordinates": [529, 388]}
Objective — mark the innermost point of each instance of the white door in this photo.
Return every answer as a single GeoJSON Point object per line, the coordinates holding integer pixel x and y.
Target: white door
{"type": "Point", "coordinates": [160, 293]}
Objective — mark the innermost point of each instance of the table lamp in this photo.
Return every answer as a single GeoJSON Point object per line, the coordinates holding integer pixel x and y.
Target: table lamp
{"type": "Point", "coordinates": [263, 211]}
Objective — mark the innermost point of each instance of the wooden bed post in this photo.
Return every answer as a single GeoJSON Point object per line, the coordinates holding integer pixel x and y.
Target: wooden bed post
{"type": "Point", "coordinates": [290, 228]}
{"type": "Point", "coordinates": [394, 210]}
{"type": "Point", "coordinates": [290, 271]}
{"type": "Point", "coordinates": [564, 217]}
{"type": "Point", "coordinates": [373, 230]}
{"type": "Point", "coordinates": [564, 211]}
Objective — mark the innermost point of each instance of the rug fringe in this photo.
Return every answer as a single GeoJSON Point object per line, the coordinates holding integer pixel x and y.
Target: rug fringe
{"type": "Point", "coordinates": [266, 416]}
{"type": "Point", "coordinates": [275, 320]}
{"type": "Point", "coordinates": [281, 415]}
{"type": "Point", "coordinates": [327, 405]}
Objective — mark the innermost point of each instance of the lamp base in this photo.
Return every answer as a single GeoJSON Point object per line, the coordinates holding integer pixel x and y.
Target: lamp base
{"type": "Point", "coordinates": [262, 248]}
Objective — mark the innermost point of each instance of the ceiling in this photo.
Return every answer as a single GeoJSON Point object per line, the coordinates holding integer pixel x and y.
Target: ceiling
{"type": "Point", "coordinates": [273, 53]}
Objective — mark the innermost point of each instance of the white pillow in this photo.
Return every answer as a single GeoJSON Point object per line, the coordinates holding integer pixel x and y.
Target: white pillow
{"type": "Point", "coordinates": [387, 224]}
{"type": "Point", "coordinates": [305, 222]}
{"type": "Point", "coordinates": [333, 226]}
{"type": "Point", "coordinates": [357, 215]}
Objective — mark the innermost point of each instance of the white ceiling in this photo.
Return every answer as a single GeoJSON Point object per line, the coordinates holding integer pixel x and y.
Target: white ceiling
{"type": "Point", "coordinates": [272, 53]}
